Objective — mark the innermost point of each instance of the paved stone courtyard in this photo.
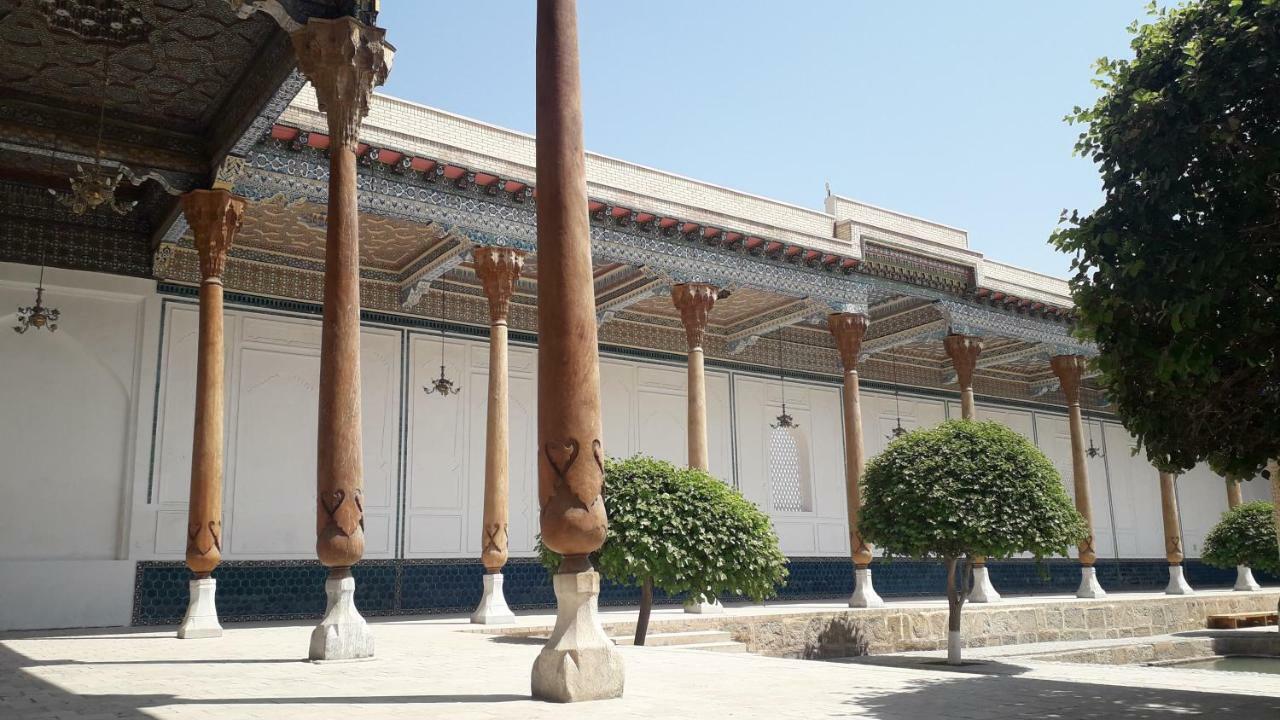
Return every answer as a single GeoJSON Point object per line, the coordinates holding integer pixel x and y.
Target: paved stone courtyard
{"type": "Point", "coordinates": [436, 668]}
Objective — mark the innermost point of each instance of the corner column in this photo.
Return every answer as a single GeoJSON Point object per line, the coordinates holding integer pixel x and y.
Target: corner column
{"type": "Point", "coordinates": [1244, 575]}
{"type": "Point", "coordinates": [964, 351]}
{"type": "Point", "coordinates": [1070, 371]}
{"type": "Point", "coordinates": [848, 329]}
{"type": "Point", "coordinates": [498, 269]}
{"type": "Point", "coordinates": [579, 661]}
{"type": "Point", "coordinates": [344, 59]}
{"type": "Point", "coordinates": [694, 301]}
{"type": "Point", "coordinates": [214, 217]}
{"type": "Point", "coordinates": [1172, 536]}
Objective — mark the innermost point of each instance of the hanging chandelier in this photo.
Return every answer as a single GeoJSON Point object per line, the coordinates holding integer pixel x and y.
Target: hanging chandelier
{"type": "Point", "coordinates": [783, 420]}
{"type": "Point", "coordinates": [37, 316]}
{"type": "Point", "coordinates": [97, 185]}
{"type": "Point", "coordinates": [1092, 451]}
{"type": "Point", "coordinates": [442, 385]}
{"type": "Point", "coordinates": [897, 431]}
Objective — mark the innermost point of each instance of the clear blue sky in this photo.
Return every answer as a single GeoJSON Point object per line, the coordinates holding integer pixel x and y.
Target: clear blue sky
{"type": "Point", "coordinates": [947, 110]}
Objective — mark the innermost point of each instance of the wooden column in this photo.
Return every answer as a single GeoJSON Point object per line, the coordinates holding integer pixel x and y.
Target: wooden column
{"type": "Point", "coordinates": [848, 329]}
{"type": "Point", "coordinates": [214, 217]}
{"type": "Point", "coordinates": [579, 661]}
{"type": "Point", "coordinates": [344, 60]}
{"type": "Point", "coordinates": [1070, 372]}
{"type": "Point", "coordinates": [694, 301]}
{"type": "Point", "coordinates": [498, 269]}
{"type": "Point", "coordinates": [1235, 494]}
{"type": "Point", "coordinates": [964, 351]}
{"type": "Point", "coordinates": [1172, 535]}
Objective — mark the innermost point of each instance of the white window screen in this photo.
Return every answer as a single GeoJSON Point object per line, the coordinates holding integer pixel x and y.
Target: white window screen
{"type": "Point", "coordinates": [788, 472]}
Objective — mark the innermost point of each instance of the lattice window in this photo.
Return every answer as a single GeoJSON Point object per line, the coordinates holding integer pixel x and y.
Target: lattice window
{"type": "Point", "coordinates": [789, 471]}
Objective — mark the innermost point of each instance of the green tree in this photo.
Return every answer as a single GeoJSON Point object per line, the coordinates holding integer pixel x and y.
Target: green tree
{"type": "Point", "coordinates": [682, 531]}
{"type": "Point", "coordinates": [1176, 273]}
{"type": "Point", "coordinates": [1246, 535]}
{"type": "Point", "coordinates": [961, 489]}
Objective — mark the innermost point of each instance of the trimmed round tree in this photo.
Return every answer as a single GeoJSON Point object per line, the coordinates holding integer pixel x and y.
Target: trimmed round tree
{"type": "Point", "coordinates": [682, 531]}
{"type": "Point", "coordinates": [1246, 535]}
{"type": "Point", "coordinates": [962, 489]}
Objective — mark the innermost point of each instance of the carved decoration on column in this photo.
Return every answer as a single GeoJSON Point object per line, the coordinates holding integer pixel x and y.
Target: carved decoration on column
{"type": "Point", "coordinates": [964, 351]}
{"type": "Point", "coordinates": [344, 60]}
{"type": "Point", "coordinates": [694, 301]}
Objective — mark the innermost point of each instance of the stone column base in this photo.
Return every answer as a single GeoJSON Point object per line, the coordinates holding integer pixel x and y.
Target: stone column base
{"type": "Point", "coordinates": [704, 608]}
{"type": "Point", "coordinates": [343, 633]}
{"type": "Point", "coordinates": [201, 620]}
{"type": "Point", "coordinates": [864, 593]}
{"type": "Point", "coordinates": [983, 591]}
{"type": "Point", "coordinates": [1244, 580]}
{"type": "Point", "coordinates": [1177, 583]}
{"type": "Point", "coordinates": [579, 662]}
{"type": "Point", "coordinates": [493, 609]}
{"type": "Point", "coordinates": [1090, 588]}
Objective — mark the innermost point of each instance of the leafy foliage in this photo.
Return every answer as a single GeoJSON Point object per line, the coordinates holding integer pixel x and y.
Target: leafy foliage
{"type": "Point", "coordinates": [1246, 535]}
{"type": "Point", "coordinates": [686, 531]}
{"type": "Point", "coordinates": [967, 488]}
{"type": "Point", "coordinates": [1176, 274]}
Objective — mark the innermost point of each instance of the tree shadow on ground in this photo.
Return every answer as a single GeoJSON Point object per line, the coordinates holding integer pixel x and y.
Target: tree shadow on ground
{"type": "Point", "coordinates": [1005, 697]}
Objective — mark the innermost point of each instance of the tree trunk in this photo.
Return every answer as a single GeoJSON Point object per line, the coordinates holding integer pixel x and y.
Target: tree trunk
{"type": "Point", "coordinates": [1273, 470]}
{"type": "Point", "coordinates": [955, 602]}
{"type": "Point", "coordinates": [646, 604]}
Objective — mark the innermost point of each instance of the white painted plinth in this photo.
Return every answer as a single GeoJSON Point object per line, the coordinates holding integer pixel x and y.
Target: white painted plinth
{"type": "Point", "coordinates": [1177, 583]}
{"type": "Point", "coordinates": [954, 644]}
{"type": "Point", "coordinates": [201, 620]}
{"type": "Point", "coordinates": [1090, 588]}
{"type": "Point", "coordinates": [579, 662]}
{"type": "Point", "coordinates": [493, 609]}
{"type": "Point", "coordinates": [1244, 579]}
{"type": "Point", "coordinates": [704, 608]}
{"type": "Point", "coordinates": [983, 591]}
{"type": "Point", "coordinates": [864, 593]}
{"type": "Point", "coordinates": [343, 633]}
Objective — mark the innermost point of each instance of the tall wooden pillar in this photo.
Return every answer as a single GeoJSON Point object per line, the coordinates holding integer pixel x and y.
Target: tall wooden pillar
{"type": "Point", "coordinates": [694, 301]}
{"type": "Point", "coordinates": [848, 329]}
{"type": "Point", "coordinates": [498, 269]}
{"type": "Point", "coordinates": [344, 59]}
{"type": "Point", "coordinates": [579, 661]}
{"type": "Point", "coordinates": [964, 351]}
{"type": "Point", "coordinates": [214, 217]}
{"type": "Point", "coordinates": [1172, 536]}
{"type": "Point", "coordinates": [1070, 372]}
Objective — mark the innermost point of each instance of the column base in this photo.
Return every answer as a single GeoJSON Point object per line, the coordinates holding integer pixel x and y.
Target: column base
{"type": "Point", "coordinates": [704, 608]}
{"type": "Point", "coordinates": [1244, 580]}
{"type": "Point", "coordinates": [1090, 588]}
{"type": "Point", "coordinates": [864, 593]}
{"type": "Point", "coordinates": [1177, 582]}
{"type": "Point", "coordinates": [579, 662]}
{"type": "Point", "coordinates": [493, 609]}
{"type": "Point", "coordinates": [201, 620]}
{"type": "Point", "coordinates": [982, 591]}
{"type": "Point", "coordinates": [342, 634]}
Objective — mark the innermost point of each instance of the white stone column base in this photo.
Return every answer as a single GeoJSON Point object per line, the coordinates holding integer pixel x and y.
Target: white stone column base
{"type": "Point", "coordinates": [704, 608]}
{"type": "Point", "coordinates": [201, 620]}
{"type": "Point", "coordinates": [982, 591]}
{"type": "Point", "coordinates": [343, 633]}
{"type": "Point", "coordinates": [493, 609]}
{"type": "Point", "coordinates": [579, 661]}
{"type": "Point", "coordinates": [864, 593]}
{"type": "Point", "coordinates": [1244, 579]}
{"type": "Point", "coordinates": [1177, 582]}
{"type": "Point", "coordinates": [1090, 588]}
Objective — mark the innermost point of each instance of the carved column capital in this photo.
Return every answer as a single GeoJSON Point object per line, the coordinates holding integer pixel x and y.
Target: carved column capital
{"type": "Point", "coordinates": [694, 301]}
{"type": "Point", "coordinates": [214, 217]}
{"type": "Point", "coordinates": [344, 59]}
{"type": "Point", "coordinates": [848, 329]}
{"type": "Point", "coordinates": [1070, 371]}
{"type": "Point", "coordinates": [963, 351]}
{"type": "Point", "coordinates": [498, 269]}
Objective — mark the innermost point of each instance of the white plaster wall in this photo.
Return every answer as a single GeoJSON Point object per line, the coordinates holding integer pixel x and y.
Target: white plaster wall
{"type": "Point", "coordinates": [70, 403]}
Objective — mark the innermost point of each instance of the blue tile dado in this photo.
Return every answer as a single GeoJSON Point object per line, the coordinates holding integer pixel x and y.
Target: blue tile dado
{"type": "Point", "coordinates": [294, 589]}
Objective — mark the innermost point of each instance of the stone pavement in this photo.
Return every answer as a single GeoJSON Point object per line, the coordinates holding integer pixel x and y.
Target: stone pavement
{"type": "Point", "coordinates": [436, 668]}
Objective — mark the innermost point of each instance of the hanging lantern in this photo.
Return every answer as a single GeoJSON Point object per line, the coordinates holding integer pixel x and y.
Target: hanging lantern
{"type": "Point", "coordinates": [897, 431]}
{"type": "Point", "coordinates": [96, 186]}
{"type": "Point", "coordinates": [442, 385]}
{"type": "Point", "coordinates": [783, 420]}
{"type": "Point", "coordinates": [38, 316]}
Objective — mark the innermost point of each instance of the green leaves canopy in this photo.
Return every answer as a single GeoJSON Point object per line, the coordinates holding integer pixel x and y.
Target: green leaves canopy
{"type": "Point", "coordinates": [687, 531]}
{"type": "Point", "coordinates": [1246, 535]}
{"type": "Point", "coordinates": [966, 488]}
{"type": "Point", "coordinates": [1176, 273]}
